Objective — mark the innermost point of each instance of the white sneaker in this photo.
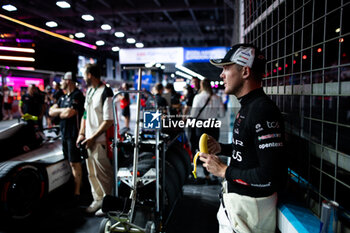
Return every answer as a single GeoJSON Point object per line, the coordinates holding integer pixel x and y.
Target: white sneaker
{"type": "Point", "coordinates": [95, 205]}
{"type": "Point", "coordinates": [100, 213]}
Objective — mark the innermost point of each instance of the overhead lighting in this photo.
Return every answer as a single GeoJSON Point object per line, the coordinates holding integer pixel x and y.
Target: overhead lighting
{"type": "Point", "coordinates": [221, 82]}
{"type": "Point", "coordinates": [106, 27]}
{"type": "Point", "coordinates": [14, 58]}
{"type": "Point", "coordinates": [25, 68]}
{"type": "Point", "coordinates": [131, 40]}
{"type": "Point", "coordinates": [79, 35]}
{"type": "Point", "coordinates": [16, 49]}
{"type": "Point", "coordinates": [100, 42]}
{"type": "Point", "coordinates": [71, 36]}
{"type": "Point", "coordinates": [337, 30]}
{"type": "Point", "coordinates": [184, 69]}
{"type": "Point", "coordinates": [139, 45]}
{"type": "Point", "coordinates": [162, 67]}
{"type": "Point", "coordinates": [9, 7]}
{"type": "Point", "coordinates": [87, 17]}
{"type": "Point", "coordinates": [158, 65]}
{"type": "Point", "coordinates": [115, 49]}
{"type": "Point", "coordinates": [119, 34]}
{"type": "Point", "coordinates": [172, 75]}
{"type": "Point", "coordinates": [48, 32]}
{"type": "Point", "coordinates": [63, 4]}
{"type": "Point", "coordinates": [149, 65]}
{"type": "Point", "coordinates": [51, 24]}
{"type": "Point", "coordinates": [179, 73]}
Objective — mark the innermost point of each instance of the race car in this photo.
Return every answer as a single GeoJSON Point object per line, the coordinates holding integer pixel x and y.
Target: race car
{"type": "Point", "coordinates": [32, 165]}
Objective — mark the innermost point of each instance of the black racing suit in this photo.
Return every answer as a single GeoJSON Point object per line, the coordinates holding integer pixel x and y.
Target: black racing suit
{"type": "Point", "coordinates": [257, 167]}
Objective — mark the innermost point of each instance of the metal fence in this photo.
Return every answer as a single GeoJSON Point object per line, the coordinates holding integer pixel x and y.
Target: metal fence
{"type": "Point", "coordinates": [307, 45]}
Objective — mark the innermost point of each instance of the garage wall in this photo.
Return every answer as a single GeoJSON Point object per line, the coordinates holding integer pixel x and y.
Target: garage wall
{"type": "Point", "coordinates": [307, 45]}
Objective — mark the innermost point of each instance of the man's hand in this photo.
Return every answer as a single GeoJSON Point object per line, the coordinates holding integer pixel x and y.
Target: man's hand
{"type": "Point", "coordinates": [213, 146]}
{"type": "Point", "coordinates": [213, 164]}
{"type": "Point", "coordinates": [89, 142]}
{"type": "Point", "coordinates": [80, 138]}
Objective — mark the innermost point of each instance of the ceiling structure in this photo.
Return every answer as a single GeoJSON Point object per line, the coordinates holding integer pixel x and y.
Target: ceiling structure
{"type": "Point", "coordinates": [154, 23]}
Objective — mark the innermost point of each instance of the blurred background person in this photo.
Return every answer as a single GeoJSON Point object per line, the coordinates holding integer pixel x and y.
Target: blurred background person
{"type": "Point", "coordinates": [157, 91]}
{"type": "Point", "coordinates": [56, 95]}
{"type": "Point", "coordinates": [57, 92]}
{"type": "Point", "coordinates": [174, 104]}
{"type": "Point", "coordinates": [206, 104]}
{"type": "Point", "coordinates": [124, 100]}
{"type": "Point", "coordinates": [195, 83]}
{"type": "Point", "coordinates": [32, 103]}
{"type": "Point", "coordinates": [188, 99]}
{"type": "Point", "coordinates": [8, 100]}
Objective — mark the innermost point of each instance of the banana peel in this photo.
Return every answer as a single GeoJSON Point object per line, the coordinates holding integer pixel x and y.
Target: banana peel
{"type": "Point", "coordinates": [203, 148]}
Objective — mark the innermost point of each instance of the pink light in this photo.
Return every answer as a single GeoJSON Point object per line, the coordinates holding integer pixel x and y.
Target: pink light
{"type": "Point", "coordinates": [18, 82]}
{"type": "Point", "coordinates": [286, 65]}
{"type": "Point", "coordinates": [274, 70]}
{"type": "Point", "coordinates": [304, 57]}
{"type": "Point", "coordinates": [216, 86]}
{"type": "Point", "coordinates": [294, 62]}
{"type": "Point", "coordinates": [48, 32]}
{"type": "Point", "coordinates": [25, 68]}
{"type": "Point", "coordinates": [84, 44]}
{"type": "Point", "coordinates": [279, 68]}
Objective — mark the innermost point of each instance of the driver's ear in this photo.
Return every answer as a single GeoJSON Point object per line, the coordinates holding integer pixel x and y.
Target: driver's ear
{"type": "Point", "coordinates": [246, 72]}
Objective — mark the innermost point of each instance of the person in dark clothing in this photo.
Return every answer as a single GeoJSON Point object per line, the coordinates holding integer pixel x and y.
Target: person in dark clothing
{"type": "Point", "coordinates": [188, 99]}
{"type": "Point", "coordinates": [257, 169]}
{"type": "Point", "coordinates": [175, 105]}
{"type": "Point", "coordinates": [195, 83]}
{"type": "Point", "coordinates": [70, 109]}
{"type": "Point", "coordinates": [161, 101]}
{"type": "Point", "coordinates": [124, 100]}
{"type": "Point", "coordinates": [32, 103]}
{"type": "Point", "coordinates": [57, 94]}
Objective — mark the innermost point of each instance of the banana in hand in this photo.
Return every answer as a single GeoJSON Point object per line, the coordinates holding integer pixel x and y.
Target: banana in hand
{"type": "Point", "coordinates": [203, 147]}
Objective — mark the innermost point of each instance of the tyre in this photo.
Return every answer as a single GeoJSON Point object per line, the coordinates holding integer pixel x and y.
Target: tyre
{"type": "Point", "coordinates": [178, 149]}
{"type": "Point", "coordinates": [173, 187]}
{"type": "Point", "coordinates": [23, 188]}
{"type": "Point", "coordinates": [105, 225]}
{"type": "Point", "coordinates": [175, 160]}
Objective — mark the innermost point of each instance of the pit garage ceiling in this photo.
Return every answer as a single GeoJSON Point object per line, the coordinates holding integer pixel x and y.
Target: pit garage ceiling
{"type": "Point", "coordinates": [154, 23]}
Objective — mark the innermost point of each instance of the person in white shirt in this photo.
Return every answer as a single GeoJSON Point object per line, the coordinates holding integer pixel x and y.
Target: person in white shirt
{"type": "Point", "coordinates": [98, 117]}
{"type": "Point", "coordinates": [213, 109]}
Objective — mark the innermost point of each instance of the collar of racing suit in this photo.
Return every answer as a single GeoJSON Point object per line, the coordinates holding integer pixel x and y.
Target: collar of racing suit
{"type": "Point", "coordinates": [250, 96]}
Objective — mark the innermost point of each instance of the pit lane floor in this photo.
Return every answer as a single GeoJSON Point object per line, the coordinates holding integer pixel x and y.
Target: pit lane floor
{"type": "Point", "coordinates": [194, 213]}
